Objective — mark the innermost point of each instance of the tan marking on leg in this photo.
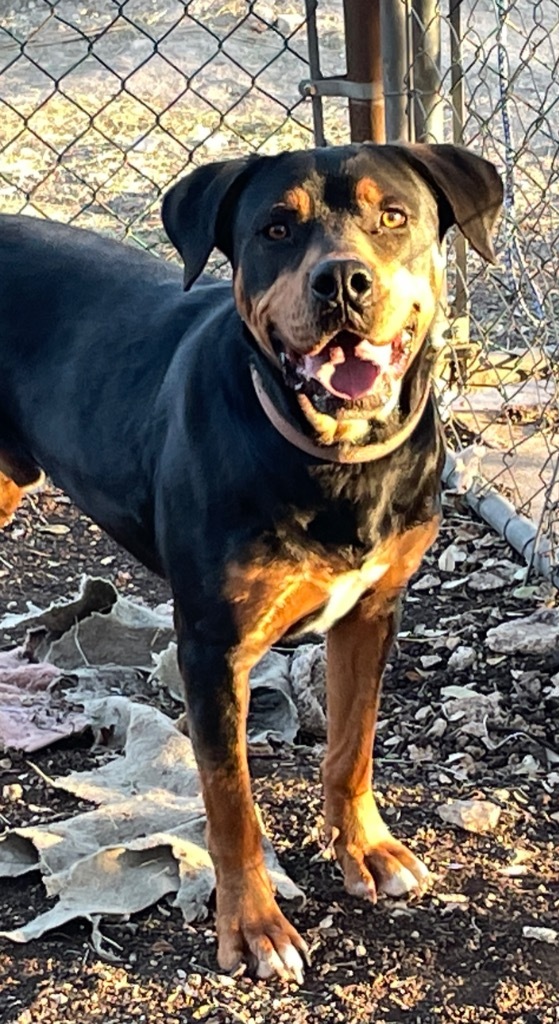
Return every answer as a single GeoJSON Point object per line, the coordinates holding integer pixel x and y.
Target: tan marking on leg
{"type": "Point", "coordinates": [267, 599]}
{"type": "Point", "coordinates": [233, 830]}
{"type": "Point", "coordinates": [357, 650]}
{"type": "Point", "coordinates": [249, 923]}
{"type": "Point", "coordinates": [270, 597]}
{"type": "Point", "coordinates": [248, 920]}
{"type": "Point", "coordinates": [10, 497]}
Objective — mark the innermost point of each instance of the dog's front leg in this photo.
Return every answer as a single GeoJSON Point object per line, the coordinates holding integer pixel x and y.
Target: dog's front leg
{"type": "Point", "coordinates": [357, 649]}
{"type": "Point", "coordinates": [250, 925]}
{"type": "Point", "coordinates": [10, 497]}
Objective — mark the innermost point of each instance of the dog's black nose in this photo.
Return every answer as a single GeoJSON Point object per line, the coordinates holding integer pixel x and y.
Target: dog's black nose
{"type": "Point", "coordinates": [341, 281]}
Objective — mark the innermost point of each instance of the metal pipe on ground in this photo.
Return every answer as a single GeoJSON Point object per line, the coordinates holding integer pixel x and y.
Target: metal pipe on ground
{"type": "Point", "coordinates": [501, 516]}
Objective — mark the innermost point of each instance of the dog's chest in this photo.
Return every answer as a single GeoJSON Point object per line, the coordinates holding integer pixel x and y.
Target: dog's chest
{"type": "Point", "coordinates": [278, 595]}
{"type": "Point", "coordinates": [343, 593]}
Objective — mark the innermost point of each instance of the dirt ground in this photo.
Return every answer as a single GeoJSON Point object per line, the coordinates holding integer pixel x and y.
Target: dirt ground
{"type": "Point", "coordinates": [456, 954]}
{"type": "Point", "coordinates": [97, 154]}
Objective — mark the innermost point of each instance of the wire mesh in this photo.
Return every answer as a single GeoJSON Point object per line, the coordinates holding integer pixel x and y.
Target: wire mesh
{"type": "Point", "coordinates": [503, 394]}
{"type": "Point", "coordinates": [103, 105]}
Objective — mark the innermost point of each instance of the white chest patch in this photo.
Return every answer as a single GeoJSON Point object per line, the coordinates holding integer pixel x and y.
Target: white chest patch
{"type": "Point", "coordinates": [345, 593]}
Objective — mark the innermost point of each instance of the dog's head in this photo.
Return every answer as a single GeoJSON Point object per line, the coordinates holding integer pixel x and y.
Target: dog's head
{"type": "Point", "coordinates": [336, 257]}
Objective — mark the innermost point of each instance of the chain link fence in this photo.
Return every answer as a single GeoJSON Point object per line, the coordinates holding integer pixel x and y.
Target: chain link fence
{"type": "Point", "coordinates": [495, 65]}
{"type": "Point", "coordinates": [103, 104]}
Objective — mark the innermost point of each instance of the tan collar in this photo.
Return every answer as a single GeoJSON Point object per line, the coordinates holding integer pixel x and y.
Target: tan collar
{"type": "Point", "coordinates": [337, 452]}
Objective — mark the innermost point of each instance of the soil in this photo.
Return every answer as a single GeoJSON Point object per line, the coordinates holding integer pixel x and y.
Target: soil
{"type": "Point", "coordinates": [455, 954]}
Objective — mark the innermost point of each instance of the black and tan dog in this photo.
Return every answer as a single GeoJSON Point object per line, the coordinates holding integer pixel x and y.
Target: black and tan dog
{"type": "Point", "coordinates": [272, 449]}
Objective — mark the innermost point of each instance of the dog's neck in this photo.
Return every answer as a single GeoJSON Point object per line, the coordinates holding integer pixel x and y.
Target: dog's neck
{"type": "Point", "coordinates": [343, 453]}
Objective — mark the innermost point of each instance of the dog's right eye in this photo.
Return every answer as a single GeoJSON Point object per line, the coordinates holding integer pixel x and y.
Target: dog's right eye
{"type": "Point", "coordinates": [276, 232]}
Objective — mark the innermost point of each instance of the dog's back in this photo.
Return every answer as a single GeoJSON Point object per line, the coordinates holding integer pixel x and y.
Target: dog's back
{"type": "Point", "coordinates": [94, 321]}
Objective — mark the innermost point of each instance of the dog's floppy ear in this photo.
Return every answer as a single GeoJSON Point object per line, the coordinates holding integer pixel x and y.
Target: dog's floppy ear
{"type": "Point", "coordinates": [197, 212]}
{"type": "Point", "coordinates": [469, 190]}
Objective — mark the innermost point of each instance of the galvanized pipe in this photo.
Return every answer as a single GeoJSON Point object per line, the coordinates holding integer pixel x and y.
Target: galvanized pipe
{"type": "Point", "coordinates": [429, 122]}
{"type": "Point", "coordinates": [395, 60]}
{"type": "Point", "coordinates": [364, 64]}
{"type": "Point", "coordinates": [458, 116]}
{"type": "Point", "coordinates": [314, 68]}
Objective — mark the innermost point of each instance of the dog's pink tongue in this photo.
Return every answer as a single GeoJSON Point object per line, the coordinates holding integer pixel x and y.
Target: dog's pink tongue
{"type": "Point", "coordinates": [348, 369]}
{"type": "Point", "coordinates": [354, 377]}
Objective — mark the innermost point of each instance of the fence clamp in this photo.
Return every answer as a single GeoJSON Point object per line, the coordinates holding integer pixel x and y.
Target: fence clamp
{"type": "Point", "coordinates": [337, 87]}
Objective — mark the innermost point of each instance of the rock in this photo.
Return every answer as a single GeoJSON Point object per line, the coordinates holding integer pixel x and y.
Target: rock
{"type": "Point", "coordinates": [287, 23]}
{"type": "Point", "coordinates": [453, 584]}
{"type": "Point", "coordinates": [536, 634]}
{"type": "Point", "coordinates": [472, 815]}
{"type": "Point", "coordinates": [529, 767]}
{"type": "Point", "coordinates": [540, 934]}
{"type": "Point", "coordinates": [481, 581]}
{"type": "Point", "coordinates": [418, 754]}
{"type": "Point", "coordinates": [461, 659]}
{"type": "Point", "coordinates": [527, 684]}
{"type": "Point", "coordinates": [427, 582]}
{"type": "Point", "coordinates": [430, 660]}
{"type": "Point", "coordinates": [12, 792]}
{"type": "Point", "coordinates": [553, 690]}
{"type": "Point", "coordinates": [476, 712]}
{"type": "Point", "coordinates": [449, 558]}
{"type": "Point", "coordinates": [466, 469]}
{"type": "Point", "coordinates": [462, 765]}
{"type": "Point", "coordinates": [458, 692]}
{"type": "Point", "coordinates": [437, 729]}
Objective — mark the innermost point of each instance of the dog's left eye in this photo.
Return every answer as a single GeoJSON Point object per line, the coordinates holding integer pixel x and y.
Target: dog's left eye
{"type": "Point", "coordinates": [277, 232]}
{"type": "Point", "coordinates": [393, 218]}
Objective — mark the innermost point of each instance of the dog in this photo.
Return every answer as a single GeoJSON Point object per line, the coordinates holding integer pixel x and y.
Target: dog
{"type": "Point", "coordinates": [271, 447]}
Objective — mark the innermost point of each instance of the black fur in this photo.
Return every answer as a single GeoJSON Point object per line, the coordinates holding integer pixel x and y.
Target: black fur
{"type": "Point", "coordinates": [137, 399]}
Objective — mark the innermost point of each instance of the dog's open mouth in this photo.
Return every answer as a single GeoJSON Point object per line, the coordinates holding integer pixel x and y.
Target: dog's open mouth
{"type": "Point", "coordinates": [350, 367]}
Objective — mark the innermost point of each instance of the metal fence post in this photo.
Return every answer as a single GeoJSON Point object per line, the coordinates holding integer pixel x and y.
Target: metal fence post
{"type": "Point", "coordinates": [461, 327]}
{"type": "Point", "coordinates": [396, 66]}
{"type": "Point", "coordinates": [428, 120]}
{"type": "Point", "coordinates": [314, 68]}
{"type": "Point", "coordinates": [364, 64]}
{"type": "Point", "coordinates": [428, 105]}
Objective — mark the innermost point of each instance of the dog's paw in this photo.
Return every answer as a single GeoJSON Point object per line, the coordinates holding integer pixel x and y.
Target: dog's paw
{"type": "Point", "coordinates": [252, 929]}
{"type": "Point", "coordinates": [371, 859]}
{"type": "Point", "coordinates": [386, 866]}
